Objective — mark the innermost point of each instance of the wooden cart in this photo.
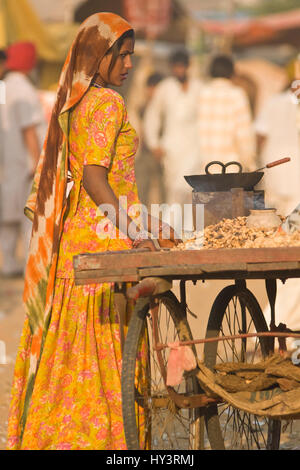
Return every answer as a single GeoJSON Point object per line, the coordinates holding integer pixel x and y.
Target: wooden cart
{"type": "Point", "coordinates": [174, 417]}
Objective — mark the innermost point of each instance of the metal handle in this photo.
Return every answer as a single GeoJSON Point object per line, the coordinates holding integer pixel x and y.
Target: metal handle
{"type": "Point", "coordinates": [236, 164]}
{"type": "Point", "coordinates": [214, 163]}
{"type": "Point", "coordinates": [224, 166]}
{"type": "Point", "coordinates": [278, 162]}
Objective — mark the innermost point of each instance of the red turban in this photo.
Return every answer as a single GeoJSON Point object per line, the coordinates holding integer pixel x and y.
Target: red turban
{"type": "Point", "coordinates": [21, 57]}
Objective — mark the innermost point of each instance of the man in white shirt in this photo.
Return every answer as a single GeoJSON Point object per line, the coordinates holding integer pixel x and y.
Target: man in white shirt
{"type": "Point", "coordinates": [225, 122]}
{"type": "Point", "coordinates": [278, 135]}
{"type": "Point", "coordinates": [22, 127]}
{"type": "Point", "coordinates": [170, 128]}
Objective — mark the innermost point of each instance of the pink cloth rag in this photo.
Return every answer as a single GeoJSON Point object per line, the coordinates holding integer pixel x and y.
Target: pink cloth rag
{"type": "Point", "coordinates": [181, 359]}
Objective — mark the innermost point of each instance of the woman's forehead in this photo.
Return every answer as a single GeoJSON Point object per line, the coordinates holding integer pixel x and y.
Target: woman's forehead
{"type": "Point", "coordinates": [128, 45]}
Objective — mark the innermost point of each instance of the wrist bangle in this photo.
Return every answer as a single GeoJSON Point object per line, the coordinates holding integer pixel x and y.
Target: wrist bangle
{"type": "Point", "coordinates": [157, 226]}
{"type": "Point", "coordinates": [142, 235]}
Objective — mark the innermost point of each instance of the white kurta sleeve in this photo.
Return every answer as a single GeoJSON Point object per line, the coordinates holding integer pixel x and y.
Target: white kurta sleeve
{"type": "Point", "coordinates": [26, 105]}
{"type": "Point", "coordinates": [153, 118]}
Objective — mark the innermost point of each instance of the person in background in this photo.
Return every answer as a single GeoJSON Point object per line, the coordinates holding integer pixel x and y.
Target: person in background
{"type": "Point", "coordinates": [224, 116]}
{"type": "Point", "coordinates": [249, 86]}
{"type": "Point", "coordinates": [170, 128]}
{"type": "Point", "coordinates": [278, 135]}
{"type": "Point", "coordinates": [3, 58]}
{"type": "Point", "coordinates": [47, 98]}
{"type": "Point", "coordinates": [148, 169]}
{"type": "Point", "coordinates": [22, 131]}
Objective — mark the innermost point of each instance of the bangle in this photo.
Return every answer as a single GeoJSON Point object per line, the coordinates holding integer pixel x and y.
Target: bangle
{"type": "Point", "coordinates": [142, 235]}
{"type": "Point", "coordinates": [165, 231]}
{"type": "Point", "coordinates": [157, 227]}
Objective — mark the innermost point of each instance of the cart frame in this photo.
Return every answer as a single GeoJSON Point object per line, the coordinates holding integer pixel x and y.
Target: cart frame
{"type": "Point", "coordinates": [152, 274]}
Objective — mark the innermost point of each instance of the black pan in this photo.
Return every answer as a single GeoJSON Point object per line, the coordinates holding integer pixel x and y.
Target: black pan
{"type": "Point", "coordinates": [224, 181]}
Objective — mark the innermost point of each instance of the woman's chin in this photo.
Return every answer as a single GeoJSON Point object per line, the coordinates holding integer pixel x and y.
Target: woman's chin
{"type": "Point", "coordinates": [117, 83]}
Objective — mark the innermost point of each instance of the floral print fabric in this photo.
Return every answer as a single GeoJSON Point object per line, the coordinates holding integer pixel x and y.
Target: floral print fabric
{"type": "Point", "coordinates": [100, 134]}
{"type": "Point", "coordinates": [76, 398]}
{"type": "Point", "coordinates": [47, 203]}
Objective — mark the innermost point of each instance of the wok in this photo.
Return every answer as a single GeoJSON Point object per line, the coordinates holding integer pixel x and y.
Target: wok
{"type": "Point", "coordinates": [226, 181]}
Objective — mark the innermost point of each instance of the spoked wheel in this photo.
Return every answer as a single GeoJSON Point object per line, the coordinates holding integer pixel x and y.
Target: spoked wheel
{"type": "Point", "coordinates": [151, 418]}
{"type": "Point", "coordinates": [236, 311]}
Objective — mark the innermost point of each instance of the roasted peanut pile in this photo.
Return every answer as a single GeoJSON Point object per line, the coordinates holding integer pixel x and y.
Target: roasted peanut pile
{"type": "Point", "coordinates": [233, 233]}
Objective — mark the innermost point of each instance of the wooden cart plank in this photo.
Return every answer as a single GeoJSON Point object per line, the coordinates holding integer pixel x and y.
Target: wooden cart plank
{"type": "Point", "coordinates": [134, 265]}
{"type": "Point", "coordinates": [287, 265]}
{"type": "Point", "coordinates": [186, 270]}
{"type": "Point", "coordinates": [102, 272]}
{"type": "Point", "coordinates": [104, 275]}
{"type": "Point", "coordinates": [228, 257]}
{"type": "Point", "coordinates": [105, 278]}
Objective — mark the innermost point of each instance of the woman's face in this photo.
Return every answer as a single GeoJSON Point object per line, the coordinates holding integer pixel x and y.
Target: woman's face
{"type": "Point", "coordinates": [122, 65]}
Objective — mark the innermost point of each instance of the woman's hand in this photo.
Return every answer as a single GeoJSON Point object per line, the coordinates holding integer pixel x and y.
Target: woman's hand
{"type": "Point", "coordinates": [145, 244]}
{"type": "Point", "coordinates": [142, 241]}
{"type": "Point", "coordinates": [167, 237]}
{"type": "Point", "coordinates": [163, 233]}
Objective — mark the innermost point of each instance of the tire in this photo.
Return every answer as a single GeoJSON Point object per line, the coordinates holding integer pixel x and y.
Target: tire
{"type": "Point", "coordinates": [237, 311]}
{"type": "Point", "coordinates": [164, 425]}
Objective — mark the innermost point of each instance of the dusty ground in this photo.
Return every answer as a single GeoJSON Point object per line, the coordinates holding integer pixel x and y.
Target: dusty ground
{"type": "Point", "coordinates": [11, 321]}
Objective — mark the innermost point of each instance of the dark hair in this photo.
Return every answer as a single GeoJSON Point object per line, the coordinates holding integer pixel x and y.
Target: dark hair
{"type": "Point", "coordinates": [222, 66]}
{"type": "Point", "coordinates": [3, 55]}
{"type": "Point", "coordinates": [154, 79]}
{"type": "Point", "coordinates": [180, 56]}
{"type": "Point", "coordinates": [116, 47]}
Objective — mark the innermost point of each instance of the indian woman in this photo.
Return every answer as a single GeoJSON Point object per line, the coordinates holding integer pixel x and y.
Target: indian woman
{"type": "Point", "coordinates": [66, 390]}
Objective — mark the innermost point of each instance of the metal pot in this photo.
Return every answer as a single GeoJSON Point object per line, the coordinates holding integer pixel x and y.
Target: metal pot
{"type": "Point", "coordinates": [224, 181]}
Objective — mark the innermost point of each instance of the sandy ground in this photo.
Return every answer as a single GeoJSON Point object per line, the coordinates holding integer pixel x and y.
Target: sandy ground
{"type": "Point", "coordinates": [199, 297]}
{"type": "Point", "coordinates": [11, 320]}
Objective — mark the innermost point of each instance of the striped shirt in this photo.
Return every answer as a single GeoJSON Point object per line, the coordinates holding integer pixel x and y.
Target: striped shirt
{"type": "Point", "coordinates": [225, 124]}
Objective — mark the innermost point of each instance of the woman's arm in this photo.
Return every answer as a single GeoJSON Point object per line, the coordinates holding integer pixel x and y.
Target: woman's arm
{"type": "Point", "coordinates": [95, 182]}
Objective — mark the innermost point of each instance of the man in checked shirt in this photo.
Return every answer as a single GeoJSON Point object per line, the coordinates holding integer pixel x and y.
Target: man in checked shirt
{"type": "Point", "coordinates": [225, 121]}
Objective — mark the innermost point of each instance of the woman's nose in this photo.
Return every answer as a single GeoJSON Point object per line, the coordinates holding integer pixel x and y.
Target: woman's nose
{"type": "Point", "coordinates": [128, 62]}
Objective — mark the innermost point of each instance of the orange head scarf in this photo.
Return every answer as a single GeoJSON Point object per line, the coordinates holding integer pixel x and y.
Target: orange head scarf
{"type": "Point", "coordinates": [47, 202]}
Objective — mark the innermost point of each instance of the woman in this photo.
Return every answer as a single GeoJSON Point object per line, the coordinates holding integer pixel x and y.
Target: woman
{"type": "Point", "coordinates": [67, 391]}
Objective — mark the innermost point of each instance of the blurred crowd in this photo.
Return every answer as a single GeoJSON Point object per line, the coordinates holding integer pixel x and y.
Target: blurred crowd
{"type": "Point", "coordinates": [184, 124]}
{"type": "Point", "coordinates": [188, 123]}
{"type": "Point", "coordinates": [22, 131]}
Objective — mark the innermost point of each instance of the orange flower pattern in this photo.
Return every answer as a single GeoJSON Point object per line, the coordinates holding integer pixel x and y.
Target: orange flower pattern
{"type": "Point", "coordinates": [100, 134]}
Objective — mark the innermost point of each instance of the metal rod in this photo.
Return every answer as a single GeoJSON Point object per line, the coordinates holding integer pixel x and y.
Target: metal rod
{"type": "Point", "coordinates": [183, 295]}
{"type": "Point", "coordinates": [159, 346]}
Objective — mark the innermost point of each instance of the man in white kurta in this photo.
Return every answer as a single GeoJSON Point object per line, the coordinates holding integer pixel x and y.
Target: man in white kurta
{"type": "Point", "coordinates": [170, 128]}
{"type": "Point", "coordinates": [278, 130]}
{"type": "Point", "coordinates": [22, 128]}
{"type": "Point", "coordinates": [225, 122]}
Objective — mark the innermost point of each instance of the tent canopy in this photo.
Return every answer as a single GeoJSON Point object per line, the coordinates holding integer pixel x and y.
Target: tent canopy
{"type": "Point", "coordinates": [275, 28]}
{"type": "Point", "coordinates": [19, 22]}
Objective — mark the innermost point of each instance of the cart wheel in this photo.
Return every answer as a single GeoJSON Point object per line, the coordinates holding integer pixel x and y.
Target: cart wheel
{"type": "Point", "coordinates": [148, 409]}
{"type": "Point", "coordinates": [236, 311]}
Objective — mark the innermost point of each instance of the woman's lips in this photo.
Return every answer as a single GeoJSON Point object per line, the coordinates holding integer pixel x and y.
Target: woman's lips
{"type": "Point", "coordinates": [124, 76]}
